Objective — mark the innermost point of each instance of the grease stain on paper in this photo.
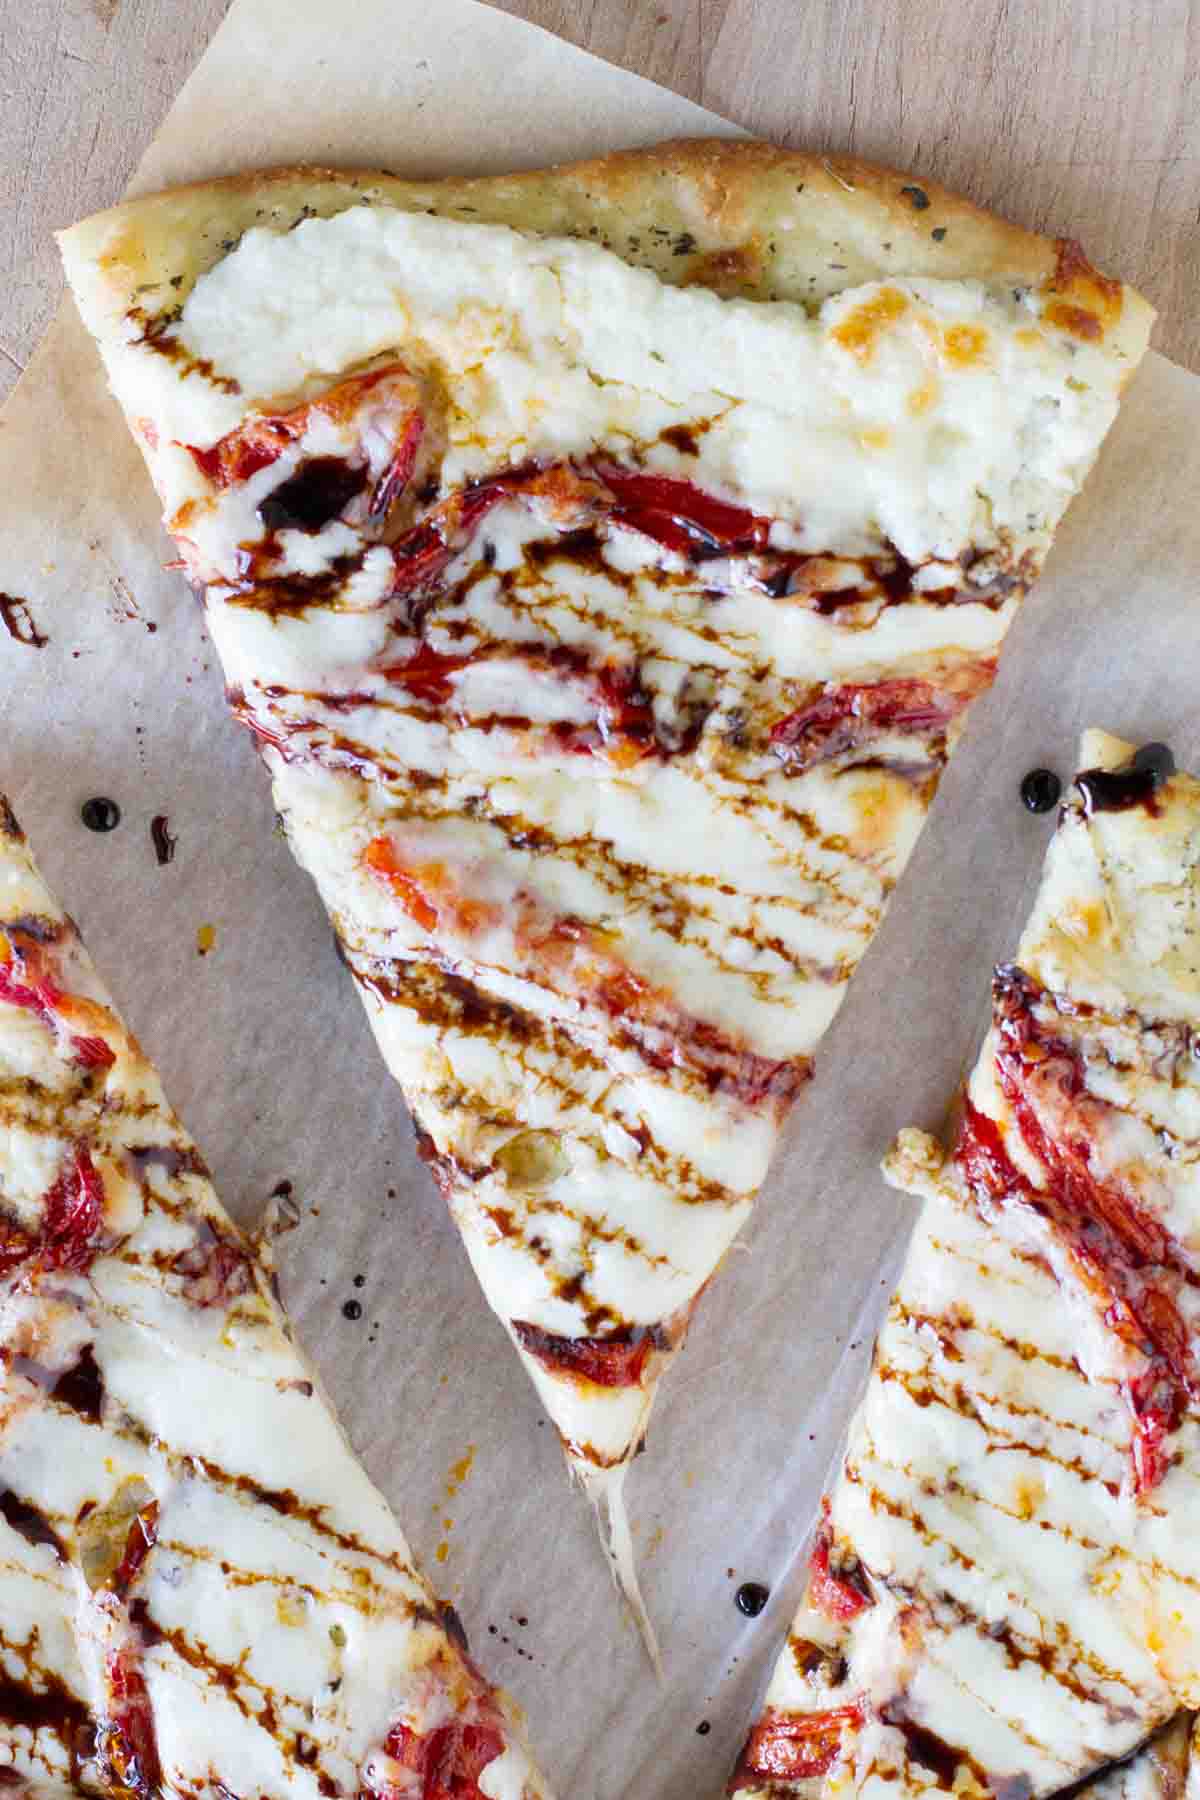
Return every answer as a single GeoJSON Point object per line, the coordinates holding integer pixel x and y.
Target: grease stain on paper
{"type": "Point", "coordinates": [460, 1470]}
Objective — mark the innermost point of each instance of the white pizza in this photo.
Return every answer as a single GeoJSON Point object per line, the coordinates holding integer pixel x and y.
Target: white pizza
{"type": "Point", "coordinates": [1004, 1590]}
{"type": "Point", "coordinates": [202, 1596]}
{"type": "Point", "coordinates": [605, 636]}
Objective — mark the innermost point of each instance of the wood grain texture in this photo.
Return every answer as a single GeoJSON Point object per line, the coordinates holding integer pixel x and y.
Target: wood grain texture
{"type": "Point", "coordinates": [84, 85]}
{"type": "Point", "coordinates": [668, 41]}
{"type": "Point", "coordinates": [1081, 118]}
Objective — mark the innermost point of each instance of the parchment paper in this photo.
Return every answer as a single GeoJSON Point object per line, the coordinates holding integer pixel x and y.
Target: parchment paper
{"type": "Point", "coordinates": [263, 1044]}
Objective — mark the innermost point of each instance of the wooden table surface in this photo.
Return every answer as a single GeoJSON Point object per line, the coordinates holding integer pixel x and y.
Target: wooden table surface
{"type": "Point", "coordinates": [1077, 116]}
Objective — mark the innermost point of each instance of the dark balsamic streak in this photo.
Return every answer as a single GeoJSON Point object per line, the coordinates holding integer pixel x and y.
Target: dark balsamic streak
{"type": "Point", "coordinates": [944, 1760]}
{"type": "Point", "coordinates": [154, 337]}
{"type": "Point", "coordinates": [231, 1678]}
{"type": "Point", "coordinates": [295, 594]}
{"type": "Point", "coordinates": [1062, 1663]}
{"type": "Point", "coordinates": [452, 1003]}
{"type": "Point", "coordinates": [81, 1388]}
{"type": "Point", "coordinates": [955, 1397]}
{"type": "Point", "coordinates": [1117, 790]}
{"type": "Point", "coordinates": [288, 1503]}
{"type": "Point", "coordinates": [53, 1708]}
{"type": "Point", "coordinates": [29, 1523]}
{"type": "Point", "coordinates": [777, 573]}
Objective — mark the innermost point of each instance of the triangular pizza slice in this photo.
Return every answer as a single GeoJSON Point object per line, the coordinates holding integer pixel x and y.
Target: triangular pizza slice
{"type": "Point", "coordinates": [604, 560]}
{"type": "Point", "coordinates": [201, 1592]}
{"type": "Point", "coordinates": [1004, 1590]}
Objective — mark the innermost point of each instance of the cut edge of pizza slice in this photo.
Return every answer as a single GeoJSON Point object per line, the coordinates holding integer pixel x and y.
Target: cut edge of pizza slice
{"type": "Point", "coordinates": [1164, 1769]}
{"type": "Point", "coordinates": [200, 1588]}
{"type": "Point", "coordinates": [1004, 1578]}
{"type": "Point", "coordinates": [605, 586]}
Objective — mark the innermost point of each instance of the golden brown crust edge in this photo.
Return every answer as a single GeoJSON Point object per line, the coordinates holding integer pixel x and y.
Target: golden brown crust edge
{"type": "Point", "coordinates": [741, 218]}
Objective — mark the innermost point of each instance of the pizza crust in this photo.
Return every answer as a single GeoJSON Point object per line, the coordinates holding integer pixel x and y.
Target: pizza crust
{"type": "Point", "coordinates": [743, 219]}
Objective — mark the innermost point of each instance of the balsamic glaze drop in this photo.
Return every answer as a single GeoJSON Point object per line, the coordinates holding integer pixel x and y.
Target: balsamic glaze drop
{"type": "Point", "coordinates": [1117, 790]}
{"type": "Point", "coordinates": [1159, 759]}
{"type": "Point", "coordinates": [751, 1597]}
{"type": "Point", "coordinates": [100, 814]}
{"type": "Point", "coordinates": [162, 839]}
{"type": "Point", "coordinates": [316, 493]}
{"type": "Point", "coordinates": [1040, 790]}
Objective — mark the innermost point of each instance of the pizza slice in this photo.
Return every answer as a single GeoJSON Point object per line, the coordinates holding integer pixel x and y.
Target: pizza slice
{"type": "Point", "coordinates": [1004, 1588]}
{"type": "Point", "coordinates": [604, 560]}
{"type": "Point", "coordinates": [201, 1593]}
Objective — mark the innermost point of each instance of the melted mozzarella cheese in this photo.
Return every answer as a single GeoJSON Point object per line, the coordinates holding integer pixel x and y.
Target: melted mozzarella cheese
{"type": "Point", "coordinates": [276, 1623]}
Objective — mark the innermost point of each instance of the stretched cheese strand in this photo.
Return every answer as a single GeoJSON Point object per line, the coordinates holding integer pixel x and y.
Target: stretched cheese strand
{"type": "Point", "coordinates": [1005, 1583]}
{"type": "Point", "coordinates": [200, 1589]}
{"type": "Point", "coordinates": [605, 1488]}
